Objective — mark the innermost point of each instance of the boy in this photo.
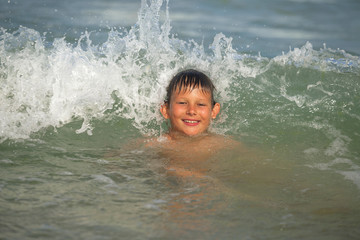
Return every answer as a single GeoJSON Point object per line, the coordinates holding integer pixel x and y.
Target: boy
{"type": "Point", "coordinates": [189, 104]}
{"type": "Point", "coordinates": [190, 107]}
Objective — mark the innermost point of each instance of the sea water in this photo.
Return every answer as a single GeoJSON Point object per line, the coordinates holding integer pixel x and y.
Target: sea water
{"type": "Point", "coordinates": [81, 83]}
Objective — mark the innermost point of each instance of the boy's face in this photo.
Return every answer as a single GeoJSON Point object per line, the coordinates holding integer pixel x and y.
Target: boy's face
{"type": "Point", "coordinates": [190, 112]}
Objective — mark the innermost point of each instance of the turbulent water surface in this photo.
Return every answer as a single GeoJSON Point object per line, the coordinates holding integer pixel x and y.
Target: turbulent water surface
{"type": "Point", "coordinates": [81, 83]}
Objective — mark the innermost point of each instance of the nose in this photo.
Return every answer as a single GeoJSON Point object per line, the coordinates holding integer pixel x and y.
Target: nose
{"type": "Point", "coordinates": [191, 110]}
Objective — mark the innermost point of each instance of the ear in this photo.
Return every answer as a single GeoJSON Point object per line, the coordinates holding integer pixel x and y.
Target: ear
{"type": "Point", "coordinates": [164, 109]}
{"type": "Point", "coordinates": [215, 111]}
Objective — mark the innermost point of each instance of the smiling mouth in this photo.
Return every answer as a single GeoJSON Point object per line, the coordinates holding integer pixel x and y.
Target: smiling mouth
{"type": "Point", "coordinates": [191, 123]}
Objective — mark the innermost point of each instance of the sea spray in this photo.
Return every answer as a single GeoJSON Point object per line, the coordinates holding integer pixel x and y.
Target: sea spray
{"type": "Point", "coordinates": [49, 84]}
{"type": "Point", "coordinates": [126, 76]}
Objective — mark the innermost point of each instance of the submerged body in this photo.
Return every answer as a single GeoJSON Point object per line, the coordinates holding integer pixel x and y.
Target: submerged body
{"type": "Point", "coordinates": [230, 181]}
{"type": "Point", "coordinates": [193, 156]}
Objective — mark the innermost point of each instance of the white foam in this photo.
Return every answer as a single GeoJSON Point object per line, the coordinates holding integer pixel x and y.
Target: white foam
{"type": "Point", "coordinates": [66, 173]}
{"type": "Point", "coordinates": [337, 147]}
{"type": "Point", "coordinates": [353, 176]}
{"type": "Point", "coordinates": [325, 60]}
{"type": "Point", "coordinates": [311, 151]}
{"type": "Point", "coordinates": [6, 161]}
{"type": "Point", "coordinates": [103, 179]}
{"type": "Point", "coordinates": [352, 172]}
{"type": "Point", "coordinates": [52, 84]}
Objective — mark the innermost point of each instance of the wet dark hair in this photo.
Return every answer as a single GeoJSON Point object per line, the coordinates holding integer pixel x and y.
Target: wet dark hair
{"type": "Point", "coordinates": [188, 80]}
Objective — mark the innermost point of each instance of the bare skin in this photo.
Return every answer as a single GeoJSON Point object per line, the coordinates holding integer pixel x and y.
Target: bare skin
{"type": "Point", "coordinates": [188, 144]}
{"type": "Point", "coordinates": [191, 156]}
{"type": "Point", "coordinates": [190, 112]}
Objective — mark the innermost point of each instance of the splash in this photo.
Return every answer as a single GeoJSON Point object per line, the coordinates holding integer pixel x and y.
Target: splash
{"type": "Point", "coordinates": [49, 84]}
{"type": "Point", "coordinates": [325, 60]}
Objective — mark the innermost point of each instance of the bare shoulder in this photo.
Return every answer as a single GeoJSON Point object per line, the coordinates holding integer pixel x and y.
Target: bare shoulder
{"type": "Point", "coordinates": [156, 141]}
{"type": "Point", "coordinates": [227, 142]}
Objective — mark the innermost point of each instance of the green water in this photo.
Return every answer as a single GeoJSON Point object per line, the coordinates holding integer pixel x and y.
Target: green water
{"type": "Point", "coordinates": [105, 186]}
{"type": "Point", "coordinates": [79, 109]}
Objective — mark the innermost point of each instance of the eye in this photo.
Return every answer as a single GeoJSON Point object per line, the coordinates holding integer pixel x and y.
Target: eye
{"type": "Point", "coordinates": [181, 103]}
{"type": "Point", "coordinates": [202, 104]}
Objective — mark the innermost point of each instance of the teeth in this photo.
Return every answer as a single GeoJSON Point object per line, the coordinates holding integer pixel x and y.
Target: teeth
{"type": "Point", "coordinates": [188, 121]}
